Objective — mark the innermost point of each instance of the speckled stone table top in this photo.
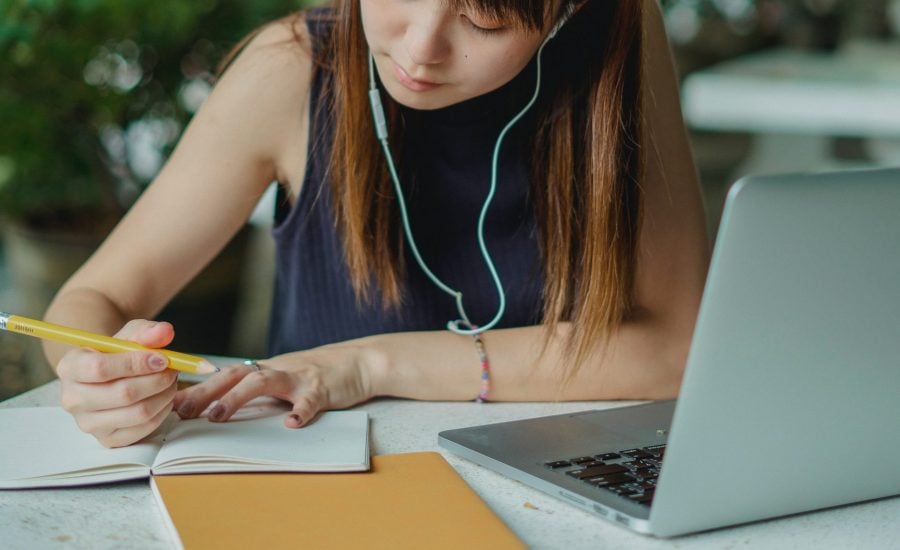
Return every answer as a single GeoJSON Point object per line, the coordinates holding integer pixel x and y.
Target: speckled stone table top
{"type": "Point", "coordinates": [125, 515]}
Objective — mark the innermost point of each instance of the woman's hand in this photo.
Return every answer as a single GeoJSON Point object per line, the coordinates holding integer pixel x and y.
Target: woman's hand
{"type": "Point", "coordinates": [330, 377]}
{"type": "Point", "coordinates": [120, 398]}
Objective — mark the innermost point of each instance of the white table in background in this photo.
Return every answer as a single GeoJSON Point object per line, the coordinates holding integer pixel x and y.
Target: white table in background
{"type": "Point", "coordinates": [125, 515]}
{"type": "Point", "coordinates": [795, 102]}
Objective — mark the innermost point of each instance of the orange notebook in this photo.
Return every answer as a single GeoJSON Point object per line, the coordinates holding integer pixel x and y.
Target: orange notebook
{"type": "Point", "coordinates": [414, 500]}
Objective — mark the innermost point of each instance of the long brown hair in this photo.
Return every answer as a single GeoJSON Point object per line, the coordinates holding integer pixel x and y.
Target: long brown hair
{"type": "Point", "coordinates": [585, 175]}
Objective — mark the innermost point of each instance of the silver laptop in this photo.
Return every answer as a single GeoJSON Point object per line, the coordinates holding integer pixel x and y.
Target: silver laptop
{"type": "Point", "coordinates": [791, 397]}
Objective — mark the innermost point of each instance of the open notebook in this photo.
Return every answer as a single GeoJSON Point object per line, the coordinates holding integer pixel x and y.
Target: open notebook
{"type": "Point", "coordinates": [43, 447]}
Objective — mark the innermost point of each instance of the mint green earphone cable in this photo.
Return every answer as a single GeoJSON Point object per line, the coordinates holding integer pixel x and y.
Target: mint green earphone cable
{"type": "Point", "coordinates": [382, 133]}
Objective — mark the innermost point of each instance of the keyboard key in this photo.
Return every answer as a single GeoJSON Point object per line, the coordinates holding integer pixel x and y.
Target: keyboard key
{"type": "Point", "coordinates": [558, 464]}
{"type": "Point", "coordinates": [637, 453]}
{"type": "Point", "coordinates": [648, 463]}
{"type": "Point", "coordinates": [597, 471]}
{"type": "Point", "coordinates": [645, 498]}
{"type": "Point", "coordinates": [657, 450]}
{"type": "Point", "coordinates": [609, 456]}
{"type": "Point", "coordinates": [581, 460]}
{"type": "Point", "coordinates": [612, 479]}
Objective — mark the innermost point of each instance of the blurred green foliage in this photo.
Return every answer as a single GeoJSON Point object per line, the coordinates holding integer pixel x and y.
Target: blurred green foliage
{"type": "Point", "coordinates": [94, 93]}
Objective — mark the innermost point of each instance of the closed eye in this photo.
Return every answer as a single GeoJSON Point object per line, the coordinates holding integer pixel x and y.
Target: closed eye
{"type": "Point", "coordinates": [483, 29]}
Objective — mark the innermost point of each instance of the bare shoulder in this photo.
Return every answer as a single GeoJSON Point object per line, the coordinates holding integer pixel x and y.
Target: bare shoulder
{"type": "Point", "coordinates": [274, 66]}
{"type": "Point", "coordinates": [655, 38]}
{"type": "Point", "coordinates": [280, 49]}
{"type": "Point", "coordinates": [265, 91]}
{"type": "Point", "coordinates": [662, 101]}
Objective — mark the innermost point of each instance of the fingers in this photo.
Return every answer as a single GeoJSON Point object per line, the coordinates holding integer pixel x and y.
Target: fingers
{"type": "Point", "coordinates": [92, 367]}
{"type": "Point", "coordinates": [257, 383]}
{"type": "Point", "coordinates": [120, 397]}
{"type": "Point", "coordinates": [305, 409]}
{"type": "Point", "coordinates": [118, 393]}
{"type": "Point", "coordinates": [152, 334]}
{"type": "Point", "coordinates": [192, 401]}
{"type": "Point", "coordinates": [88, 366]}
{"type": "Point", "coordinates": [235, 387]}
{"type": "Point", "coordinates": [126, 436]}
{"type": "Point", "coordinates": [134, 421]}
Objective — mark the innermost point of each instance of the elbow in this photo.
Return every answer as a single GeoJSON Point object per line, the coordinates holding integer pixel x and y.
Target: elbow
{"type": "Point", "coordinates": [674, 357]}
{"type": "Point", "coordinates": [672, 367]}
{"type": "Point", "coordinates": [663, 381]}
{"type": "Point", "coordinates": [664, 358]}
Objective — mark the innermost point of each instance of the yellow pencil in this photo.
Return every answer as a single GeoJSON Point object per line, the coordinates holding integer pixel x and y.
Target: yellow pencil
{"type": "Point", "coordinates": [107, 344]}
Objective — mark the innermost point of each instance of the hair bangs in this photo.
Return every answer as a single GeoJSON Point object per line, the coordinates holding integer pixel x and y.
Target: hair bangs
{"type": "Point", "coordinates": [525, 14]}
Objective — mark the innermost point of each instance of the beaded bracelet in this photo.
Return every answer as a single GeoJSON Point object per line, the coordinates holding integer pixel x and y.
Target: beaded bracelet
{"type": "Point", "coordinates": [485, 364]}
{"type": "Point", "coordinates": [485, 370]}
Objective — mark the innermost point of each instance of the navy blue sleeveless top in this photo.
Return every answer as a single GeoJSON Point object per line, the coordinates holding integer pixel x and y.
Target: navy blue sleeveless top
{"type": "Point", "coordinates": [445, 174]}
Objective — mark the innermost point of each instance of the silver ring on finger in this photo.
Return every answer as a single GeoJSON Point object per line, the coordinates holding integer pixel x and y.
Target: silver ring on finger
{"type": "Point", "coordinates": [254, 366]}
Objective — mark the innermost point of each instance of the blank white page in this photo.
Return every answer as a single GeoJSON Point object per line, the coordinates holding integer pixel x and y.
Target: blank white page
{"type": "Point", "coordinates": [255, 439]}
{"type": "Point", "coordinates": [40, 444]}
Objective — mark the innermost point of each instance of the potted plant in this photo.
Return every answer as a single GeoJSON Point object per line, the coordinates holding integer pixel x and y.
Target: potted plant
{"type": "Point", "coordinates": [93, 96]}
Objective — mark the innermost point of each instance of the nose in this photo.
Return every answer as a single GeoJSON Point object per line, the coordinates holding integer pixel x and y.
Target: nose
{"type": "Point", "coordinates": [426, 39]}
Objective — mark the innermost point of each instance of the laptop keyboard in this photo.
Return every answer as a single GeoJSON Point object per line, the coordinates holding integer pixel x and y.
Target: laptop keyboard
{"type": "Point", "coordinates": [630, 473]}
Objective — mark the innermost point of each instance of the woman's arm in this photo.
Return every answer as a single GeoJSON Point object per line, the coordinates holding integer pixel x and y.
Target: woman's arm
{"type": "Point", "coordinates": [641, 361]}
{"type": "Point", "coordinates": [232, 149]}
{"type": "Point", "coordinates": [638, 362]}
{"type": "Point", "coordinates": [249, 132]}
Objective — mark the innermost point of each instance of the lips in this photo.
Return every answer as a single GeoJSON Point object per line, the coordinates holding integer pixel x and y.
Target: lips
{"type": "Point", "coordinates": [411, 83]}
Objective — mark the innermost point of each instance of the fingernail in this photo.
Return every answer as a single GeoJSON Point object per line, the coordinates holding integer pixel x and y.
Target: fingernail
{"type": "Point", "coordinates": [296, 418]}
{"type": "Point", "coordinates": [158, 362]}
{"type": "Point", "coordinates": [186, 410]}
{"type": "Point", "coordinates": [217, 413]}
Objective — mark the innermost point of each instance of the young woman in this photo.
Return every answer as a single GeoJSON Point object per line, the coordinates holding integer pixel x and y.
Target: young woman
{"type": "Point", "coordinates": [587, 265]}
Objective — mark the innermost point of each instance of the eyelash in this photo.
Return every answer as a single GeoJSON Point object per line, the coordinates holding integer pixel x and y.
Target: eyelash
{"type": "Point", "coordinates": [484, 31]}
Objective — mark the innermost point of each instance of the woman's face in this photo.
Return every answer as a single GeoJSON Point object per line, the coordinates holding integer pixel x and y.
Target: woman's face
{"type": "Point", "coordinates": [429, 57]}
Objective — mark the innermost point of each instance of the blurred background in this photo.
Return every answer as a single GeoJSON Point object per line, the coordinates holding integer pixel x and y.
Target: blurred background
{"type": "Point", "coordinates": [94, 94]}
